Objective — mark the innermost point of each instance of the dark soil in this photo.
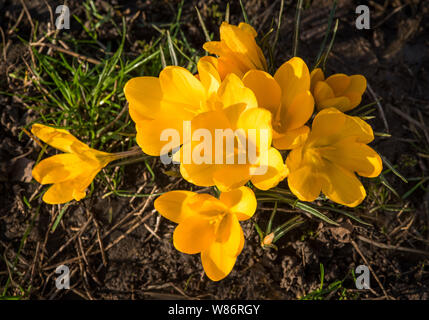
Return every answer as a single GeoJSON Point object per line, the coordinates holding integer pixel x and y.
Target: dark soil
{"type": "Point", "coordinates": [139, 261]}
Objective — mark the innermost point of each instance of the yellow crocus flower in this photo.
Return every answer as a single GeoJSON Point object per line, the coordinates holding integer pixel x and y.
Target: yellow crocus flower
{"type": "Point", "coordinates": [287, 96]}
{"type": "Point", "coordinates": [335, 150]}
{"type": "Point", "coordinates": [71, 172]}
{"type": "Point", "coordinates": [209, 226]}
{"type": "Point", "coordinates": [236, 109]}
{"type": "Point", "coordinates": [338, 91]}
{"type": "Point", "coordinates": [237, 50]}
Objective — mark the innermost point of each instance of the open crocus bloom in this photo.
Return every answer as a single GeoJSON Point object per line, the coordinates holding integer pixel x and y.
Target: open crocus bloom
{"type": "Point", "coordinates": [209, 226]}
{"type": "Point", "coordinates": [251, 157]}
{"type": "Point", "coordinates": [338, 91]}
{"type": "Point", "coordinates": [287, 96]}
{"type": "Point", "coordinates": [335, 150]}
{"type": "Point", "coordinates": [70, 172]}
{"type": "Point", "coordinates": [237, 50]}
{"type": "Point", "coordinates": [157, 104]}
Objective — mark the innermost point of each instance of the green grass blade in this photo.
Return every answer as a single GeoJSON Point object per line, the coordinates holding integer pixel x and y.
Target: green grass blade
{"type": "Point", "coordinates": [297, 25]}
{"type": "Point", "coordinates": [325, 39]}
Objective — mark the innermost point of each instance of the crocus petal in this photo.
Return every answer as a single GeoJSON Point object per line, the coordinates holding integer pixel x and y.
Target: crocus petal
{"type": "Point", "coordinates": [265, 88]}
{"type": "Point", "coordinates": [299, 111]}
{"type": "Point", "coordinates": [322, 128]}
{"type": "Point", "coordinates": [182, 89]}
{"type": "Point", "coordinates": [194, 234]}
{"type": "Point", "coordinates": [342, 186]}
{"type": "Point", "coordinates": [357, 84]}
{"type": "Point", "coordinates": [355, 157]}
{"type": "Point", "coordinates": [355, 90]}
{"type": "Point", "coordinates": [242, 43]}
{"type": "Point", "coordinates": [316, 76]}
{"type": "Point", "coordinates": [217, 265]}
{"type": "Point", "coordinates": [206, 205]}
{"type": "Point", "coordinates": [71, 189]}
{"type": "Point", "coordinates": [227, 65]}
{"type": "Point", "coordinates": [304, 183]}
{"type": "Point", "coordinates": [58, 193]}
{"type": "Point", "coordinates": [232, 91]}
{"type": "Point", "coordinates": [58, 138]}
{"type": "Point", "coordinates": [338, 82]}
{"type": "Point", "coordinates": [198, 174]}
{"type": "Point", "coordinates": [172, 205]}
{"type": "Point", "coordinates": [291, 139]}
{"type": "Point", "coordinates": [219, 259]}
{"type": "Point", "coordinates": [358, 128]}
{"type": "Point", "coordinates": [149, 133]}
{"type": "Point", "coordinates": [345, 126]}
{"type": "Point", "coordinates": [340, 103]}
{"type": "Point", "coordinates": [59, 168]}
{"type": "Point", "coordinates": [322, 91]}
{"type": "Point", "coordinates": [209, 76]}
{"type": "Point", "coordinates": [259, 121]}
{"type": "Point", "coordinates": [241, 202]}
{"type": "Point", "coordinates": [231, 176]}
{"type": "Point", "coordinates": [276, 170]}
{"type": "Point", "coordinates": [294, 78]}
{"type": "Point", "coordinates": [144, 96]}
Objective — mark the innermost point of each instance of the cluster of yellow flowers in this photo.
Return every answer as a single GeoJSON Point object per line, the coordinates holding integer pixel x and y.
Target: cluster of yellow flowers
{"type": "Point", "coordinates": [232, 91]}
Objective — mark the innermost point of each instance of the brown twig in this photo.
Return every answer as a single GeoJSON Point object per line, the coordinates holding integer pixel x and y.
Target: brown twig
{"type": "Point", "coordinates": [370, 268]}
{"type": "Point", "coordinates": [390, 247]}
{"type": "Point", "coordinates": [70, 53]}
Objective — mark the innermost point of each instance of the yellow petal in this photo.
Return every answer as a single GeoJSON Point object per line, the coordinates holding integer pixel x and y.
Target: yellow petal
{"type": "Point", "coordinates": [354, 98]}
{"type": "Point", "coordinates": [355, 157]}
{"type": "Point", "coordinates": [68, 190]}
{"type": "Point", "coordinates": [243, 45]}
{"type": "Point", "coordinates": [259, 121]}
{"type": "Point", "coordinates": [149, 134]}
{"type": "Point", "coordinates": [305, 183]}
{"type": "Point", "coordinates": [294, 78]}
{"type": "Point", "coordinates": [338, 82]}
{"type": "Point", "coordinates": [227, 65]}
{"type": "Point", "coordinates": [241, 202]}
{"type": "Point", "coordinates": [194, 234]}
{"type": "Point", "coordinates": [182, 89]}
{"type": "Point", "coordinates": [323, 133]}
{"type": "Point", "coordinates": [59, 168]}
{"type": "Point", "coordinates": [217, 265]}
{"type": "Point", "coordinates": [248, 28]}
{"type": "Point", "coordinates": [322, 129]}
{"type": "Point", "coordinates": [265, 88]}
{"type": "Point", "coordinates": [206, 205]}
{"type": "Point", "coordinates": [232, 91]}
{"type": "Point", "coordinates": [342, 186]}
{"type": "Point", "coordinates": [241, 246]}
{"type": "Point", "coordinates": [341, 103]}
{"type": "Point", "coordinates": [358, 128]}
{"type": "Point", "coordinates": [199, 174]}
{"type": "Point", "coordinates": [58, 193]}
{"type": "Point", "coordinates": [357, 84]}
{"type": "Point", "coordinates": [219, 259]}
{"type": "Point", "coordinates": [144, 96]}
{"type": "Point", "coordinates": [322, 91]}
{"type": "Point", "coordinates": [291, 139]}
{"type": "Point", "coordinates": [355, 90]}
{"type": "Point", "coordinates": [316, 76]}
{"type": "Point", "coordinates": [276, 172]}
{"type": "Point", "coordinates": [231, 176]}
{"type": "Point", "coordinates": [298, 112]}
{"type": "Point", "coordinates": [58, 138]}
{"type": "Point", "coordinates": [209, 76]}
{"type": "Point", "coordinates": [172, 205]}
